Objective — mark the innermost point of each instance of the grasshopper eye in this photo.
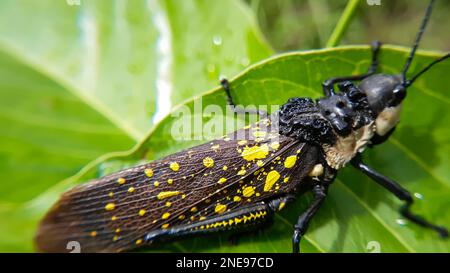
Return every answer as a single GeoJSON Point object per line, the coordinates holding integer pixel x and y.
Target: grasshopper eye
{"type": "Point", "coordinates": [399, 93]}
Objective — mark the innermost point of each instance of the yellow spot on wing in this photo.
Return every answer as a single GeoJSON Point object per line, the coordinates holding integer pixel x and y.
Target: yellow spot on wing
{"type": "Point", "coordinates": [236, 199]}
{"type": "Point", "coordinates": [220, 208]}
{"type": "Point", "coordinates": [117, 230]}
{"type": "Point", "coordinates": [111, 194]}
{"type": "Point", "coordinates": [282, 204]}
{"type": "Point", "coordinates": [259, 134]}
{"type": "Point", "coordinates": [255, 152]}
{"type": "Point", "coordinates": [174, 166]}
{"type": "Point", "coordinates": [222, 180]}
{"type": "Point", "coordinates": [208, 162]}
{"type": "Point", "coordinates": [194, 209]}
{"type": "Point", "coordinates": [290, 161]}
{"type": "Point", "coordinates": [275, 145]}
{"type": "Point", "coordinates": [242, 172]}
{"type": "Point", "coordinates": [114, 218]}
{"type": "Point", "coordinates": [242, 142]}
{"type": "Point", "coordinates": [121, 180]}
{"type": "Point", "coordinates": [93, 233]}
{"type": "Point", "coordinates": [165, 226]}
{"type": "Point", "coordinates": [271, 179]}
{"type": "Point", "coordinates": [139, 241]}
{"type": "Point", "coordinates": [131, 189]}
{"type": "Point", "coordinates": [141, 212]}
{"type": "Point", "coordinates": [165, 215]}
{"type": "Point", "coordinates": [169, 181]}
{"type": "Point", "coordinates": [110, 206]}
{"type": "Point", "coordinates": [225, 168]}
{"type": "Point", "coordinates": [156, 184]}
{"type": "Point", "coordinates": [215, 147]}
{"type": "Point", "coordinates": [148, 172]}
{"type": "Point", "coordinates": [167, 194]}
{"type": "Point", "coordinates": [248, 191]}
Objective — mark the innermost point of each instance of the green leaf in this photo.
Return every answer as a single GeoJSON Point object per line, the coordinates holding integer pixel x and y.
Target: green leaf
{"type": "Point", "coordinates": [357, 211]}
{"type": "Point", "coordinates": [81, 81]}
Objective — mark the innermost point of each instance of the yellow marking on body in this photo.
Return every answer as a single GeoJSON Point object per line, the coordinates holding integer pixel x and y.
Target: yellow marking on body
{"type": "Point", "coordinates": [156, 184]}
{"type": "Point", "coordinates": [242, 142]}
{"type": "Point", "coordinates": [220, 208]}
{"type": "Point", "coordinates": [255, 152]}
{"type": "Point", "coordinates": [170, 181]}
{"type": "Point", "coordinates": [168, 204]}
{"type": "Point", "coordinates": [222, 180]}
{"type": "Point", "coordinates": [165, 215]}
{"type": "Point", "coordinates": [271, 179]}
{"type": "Point", "coordinates": [110, 206]}
{"type": "Point", "coordinates": [225, 168]}
{"type": "Point", "coordinates": [148, 172]}
{"type": "Point", "coordinates": [208, 162]}
{"type": "Point", "coordinates": [93, 233]}
{"type": "Point", "coordinates": [139, 241]}
{"type": "Point", "coordinates": [290, 161]}
{"type": "Point", "coordinates": [248, 191]}
{"type": "Point", "coordinates": [131, 189]}
{"type": "Point", "coordinates": [121, 180]}
{"type": "Point", "coordinates": [167, 194]}
{"type": "Point", "coordinates": [141, 212]}
{"type": "Point", "coordinates": [275, 145]}
{"type": "Point", "coordinates": [194, 209]}
{"type": "Point", "coordinates": [236, 199]}
{"type": "Point", "coordinates": [242, 172]}
{"type": "Point", "coordinates": [165, 226]}
{"type": "Point", "coordinates": [114, 218]}
{"type": "Point", "coordinates": [281, 206]}
{"type": "Point", "coordinates": [174, 166]}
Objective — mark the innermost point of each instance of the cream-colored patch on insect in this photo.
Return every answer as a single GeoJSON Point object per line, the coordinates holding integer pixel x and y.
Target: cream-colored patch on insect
{"type": "Point", "coordinates": [345, 148]}
{"type": "Point", "coordinates": [316, 171]}
{"type": "Point", "coordinates": [387, 119]}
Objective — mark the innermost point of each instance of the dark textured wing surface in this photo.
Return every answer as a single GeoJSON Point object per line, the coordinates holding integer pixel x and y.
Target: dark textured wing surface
{"type": "Point", "coordinates": [115, 212]}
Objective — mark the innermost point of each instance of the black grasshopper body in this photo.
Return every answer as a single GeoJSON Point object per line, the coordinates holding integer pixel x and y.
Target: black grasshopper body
{"type": "Point", "coordinates": [242, 179]}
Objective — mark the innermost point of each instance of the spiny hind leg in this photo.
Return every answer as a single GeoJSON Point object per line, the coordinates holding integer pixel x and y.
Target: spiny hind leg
{"type": "Point", "coordinates": [241, 219]}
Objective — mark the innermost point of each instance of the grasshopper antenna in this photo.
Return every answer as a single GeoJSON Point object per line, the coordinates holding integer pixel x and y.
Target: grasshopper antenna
{"type": "Point", "coordinates": [409, 82]}
{"type": "Point", "coordinates": [416, 43]}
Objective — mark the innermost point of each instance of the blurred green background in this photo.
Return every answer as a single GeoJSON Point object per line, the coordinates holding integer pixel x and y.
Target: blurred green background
{"type": "Point", "coordinates": [87, 89]}
{"type": "Point", "coordinates": [307, 24]}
